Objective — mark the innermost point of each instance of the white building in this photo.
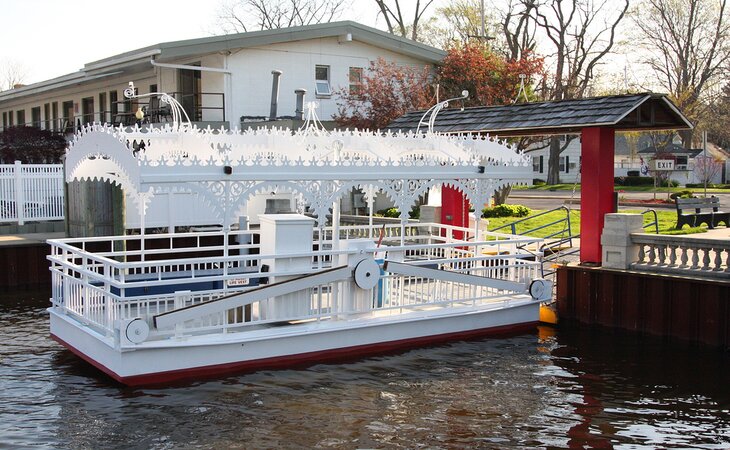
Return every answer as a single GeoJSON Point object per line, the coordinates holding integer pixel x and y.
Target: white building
{"type": "Point", "coordinates": [683, 170]}
{"type": "Point", "coordinates": [217, 79]}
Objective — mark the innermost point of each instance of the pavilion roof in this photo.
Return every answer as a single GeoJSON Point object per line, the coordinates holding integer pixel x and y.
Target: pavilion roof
{"type": "Point", "coordinates": [636, 112]}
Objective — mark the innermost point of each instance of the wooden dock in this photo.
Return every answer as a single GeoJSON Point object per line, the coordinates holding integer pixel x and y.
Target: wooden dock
{"type": "Point", "coordinates": [23, 259]}
{"type": "Point", "coordinates": [693, 309]}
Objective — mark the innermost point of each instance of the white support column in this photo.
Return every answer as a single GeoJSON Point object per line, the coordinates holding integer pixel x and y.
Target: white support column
{"type": "Point", "coordinates": [371, 206]}
{"type": "Point", "coordinates": [618, 252]}
{"type": "Point", "coordinates": [19, 193]}
{"type": "Point", "coordinates": [283, 234]}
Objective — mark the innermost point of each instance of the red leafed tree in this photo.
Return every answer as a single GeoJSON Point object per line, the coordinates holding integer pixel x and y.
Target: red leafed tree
{"type": "Point", "coordinates": [388, 91]}
{"type": "Point", "coordinates": [490, 78]}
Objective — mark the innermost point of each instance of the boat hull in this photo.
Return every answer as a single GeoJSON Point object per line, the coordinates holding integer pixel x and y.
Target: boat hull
{"type": "Point", "coordinates": [173, 360]}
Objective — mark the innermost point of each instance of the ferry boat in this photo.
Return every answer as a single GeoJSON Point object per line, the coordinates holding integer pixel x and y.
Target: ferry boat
{"type": "Point", "coordinates": [302, 287]}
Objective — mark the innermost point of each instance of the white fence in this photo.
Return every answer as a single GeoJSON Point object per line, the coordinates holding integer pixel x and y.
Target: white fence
{"type": "Point", "coordinates": [105, 279]}
{"type": "Point", "coordinates": [31, 192]}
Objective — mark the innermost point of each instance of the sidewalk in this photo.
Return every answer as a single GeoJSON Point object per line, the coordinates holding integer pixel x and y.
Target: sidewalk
{"type": "Point", "coordinates": [17, 240]}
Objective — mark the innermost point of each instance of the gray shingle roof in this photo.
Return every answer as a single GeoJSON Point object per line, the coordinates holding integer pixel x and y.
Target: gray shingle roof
{"type": "Point", "coordinates": [624, 112]}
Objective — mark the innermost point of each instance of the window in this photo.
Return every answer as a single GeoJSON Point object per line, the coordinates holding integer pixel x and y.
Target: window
{"type": "Point", "coordinates": [680, 162]}
{"type": "Point", "coordinates": [10, 118]}
{"type": "Point", "coordinates": [355, 80]}
{"type": "Point", "coordinates": [5, 120]}
{"type": "Point", "coordinates": [102, 108]}
{"type": "Point", "coordinates": [54, 115]}
{"type": "Point", "coordinates": [20, 117]}
{"type": "Point", "coordinates": [113, 105]}
{"type": "Point", "coordinates": [47, 116]}
{"type": "Point", "coordinates": [35, 117]}
{"type": "Point", "coordinates": [322, 81]}
{"type": "Point", "coordinates": [537, 164]}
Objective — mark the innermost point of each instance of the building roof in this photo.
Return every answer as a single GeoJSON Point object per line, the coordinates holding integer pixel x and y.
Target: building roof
{"type": "Point", "coordinates": [673, 149]}
{"type": "Point", "coordinates": [168, 51]}
{"type": "Point", "coordinates": [637, 112]}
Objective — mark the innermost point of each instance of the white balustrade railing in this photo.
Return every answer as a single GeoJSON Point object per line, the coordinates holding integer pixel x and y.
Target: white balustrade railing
{"type": "Point", "coordinates": [693, 256]}
{"type": "Point", "coordinates": [134, 276]}
{"type": "Point", "coordinates": [31, 192]}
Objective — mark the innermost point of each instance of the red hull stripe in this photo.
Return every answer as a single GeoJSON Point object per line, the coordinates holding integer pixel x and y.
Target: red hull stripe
{"type": "Point", "coordinates": [298, 360]}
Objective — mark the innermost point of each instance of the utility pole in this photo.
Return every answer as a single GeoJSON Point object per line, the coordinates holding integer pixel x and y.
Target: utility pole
{"type": "Point", "coordinates": [483, 33]}
{"type": "Point", "coordinates": [704, 159]}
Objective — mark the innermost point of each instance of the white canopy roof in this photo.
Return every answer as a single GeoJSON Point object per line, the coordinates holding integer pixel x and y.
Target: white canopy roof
{"type": "Point", "coordinates": [227, 167]}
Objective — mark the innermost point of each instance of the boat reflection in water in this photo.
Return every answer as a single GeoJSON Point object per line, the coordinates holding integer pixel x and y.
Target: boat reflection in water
{"type": "Point", "coordinates": [576, 387]}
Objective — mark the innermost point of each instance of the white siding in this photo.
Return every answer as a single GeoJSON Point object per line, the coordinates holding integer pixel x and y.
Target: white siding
{"type": "Point", "coordinates": [252, 68]}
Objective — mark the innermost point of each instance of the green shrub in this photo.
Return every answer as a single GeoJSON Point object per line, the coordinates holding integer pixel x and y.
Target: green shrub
{"type": "Point", "coordinates": [709, 185]}
{"type": "Point", "coordinates": [634, 181]}
{"type": "Point", "coordinates": [681, 194]}
{"type": "Point", "coordinates": [538, 182]}
{"type": "Point", "coordinates": [506, 211]}
{"type": "Point", "coordinates": [414, 213]}
{"type": "Point", "coordinates": [633, 173]}
{"type": "Point", "coordinates": [389, 212]}
{"type": "Point", "coordinates": [669, 183]}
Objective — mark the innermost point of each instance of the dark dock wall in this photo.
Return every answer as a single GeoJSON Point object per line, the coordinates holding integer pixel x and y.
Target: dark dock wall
{"type": "Point", "coordinates": [690, 309]}
{"type": "Point", "coordinates": [24, 265]}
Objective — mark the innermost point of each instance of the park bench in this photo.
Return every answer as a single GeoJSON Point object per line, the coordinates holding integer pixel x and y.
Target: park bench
{"type": "Point", "coordinates": [696, 211]}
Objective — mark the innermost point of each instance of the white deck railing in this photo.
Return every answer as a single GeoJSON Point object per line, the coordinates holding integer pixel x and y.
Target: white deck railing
{"type": "Point", "coordinates": [31, 192]}
{"type": "Point", "coordinates": [102, 280]}
{"type": "Point", "coordinates": [679, 255]}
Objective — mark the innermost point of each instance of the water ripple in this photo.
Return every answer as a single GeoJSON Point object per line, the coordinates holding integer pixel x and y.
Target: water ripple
{"type": "Point", "coordinates": [575, 388]}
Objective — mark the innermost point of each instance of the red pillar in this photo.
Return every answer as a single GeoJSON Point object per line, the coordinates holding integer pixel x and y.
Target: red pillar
{"type": "Point", "coordinates": [596, 192]}
{"type": "Point", "coordinates": [454, 209]}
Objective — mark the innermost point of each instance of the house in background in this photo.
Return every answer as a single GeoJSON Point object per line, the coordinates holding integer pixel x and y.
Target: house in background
{"type": "Point", "coordinates": [218, 80]}
{"type": "Point", "coordinates": [626, 161]}
{"type": "Point", "coordinates": [222, 81]}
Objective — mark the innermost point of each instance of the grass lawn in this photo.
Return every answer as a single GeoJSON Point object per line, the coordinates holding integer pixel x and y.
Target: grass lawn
{"type": "Point", "coordinates": [667, 220]}
{"type": "Point", "coordinates": [569, 187]}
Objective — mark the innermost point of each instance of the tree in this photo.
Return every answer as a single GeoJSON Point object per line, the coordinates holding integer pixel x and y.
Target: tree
{"type": "Point", "coordinates": [12, 73]}
{"type": "Point", "coordinates": [455, 23]}
{"type": "Point", "coordinates": [490, 78]}
{"type": "Point", "coordinates": [238, 16]}
{"type": "Point", "coordinates": [396, 20]}
{"type": "Point", "coordinates": [580, 33]}
{"type": "Point", "coordinates": [518, 30]}
{"type": "Point", "coordinates": [707, 168]}
{"type": "Point", "coordinates": [688, 43]}
{"type": "Point", "coordinates": [719, 110]}
{"type": "Point", "coordinates": [388, 91]}
{"type": "Point", "coordinates": [31, 145]}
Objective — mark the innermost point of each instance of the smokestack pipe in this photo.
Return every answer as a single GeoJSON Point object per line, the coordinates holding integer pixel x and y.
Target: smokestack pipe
{"type": "Point", "coordinates": [274, 93]}
{"type": "Point", "coordinates": [299, 112]}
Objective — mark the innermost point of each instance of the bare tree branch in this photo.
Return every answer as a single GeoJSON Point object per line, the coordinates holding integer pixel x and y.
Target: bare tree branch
{"type": "Point", "coordinates": [236, 16]}
{"type": "Point", "coordinates": [12, 73]}
{"type": "Point", "coordinates": [688, 49]}
{"type": "Point", "coordinates": [580, 33]}
{"type": "Point", "coordinates": [394, 18]}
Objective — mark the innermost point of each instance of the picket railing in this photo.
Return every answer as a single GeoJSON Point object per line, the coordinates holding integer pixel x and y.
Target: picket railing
{"type": "Point", "coordinates": [31, 192]}
{"type": "Point", "coordinates": [682, 255]}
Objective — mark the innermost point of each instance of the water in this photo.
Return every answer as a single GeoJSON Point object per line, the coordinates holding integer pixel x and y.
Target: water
{"type": "Point", "coordinates": [570, 389]}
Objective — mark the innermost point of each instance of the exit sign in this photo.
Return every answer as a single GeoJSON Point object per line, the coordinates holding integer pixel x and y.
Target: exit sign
{"type": "Point", "coordinates": [663, 164]}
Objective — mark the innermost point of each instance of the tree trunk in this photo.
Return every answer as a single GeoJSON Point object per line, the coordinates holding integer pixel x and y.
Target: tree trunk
{"type": "Point", "coordinates": [686, 136]}
{"type": "Point", "coordinates": [500, 195]}
{"type": "Point", "coordinates": [554, 161]}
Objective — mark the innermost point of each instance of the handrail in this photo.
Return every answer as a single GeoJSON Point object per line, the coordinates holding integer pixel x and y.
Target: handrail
{"type": "Point", "coordinates": [513, 225]}
{"type": "Point", "coordinates": [656, 220]}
